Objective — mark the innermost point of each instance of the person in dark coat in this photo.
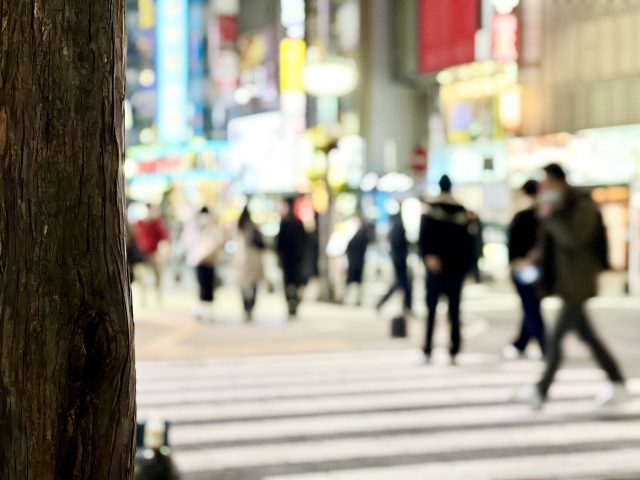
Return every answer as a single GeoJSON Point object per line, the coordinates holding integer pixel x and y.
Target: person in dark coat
{"type": "Point", "coordinates": [447, 249]}
{"type": "Point", "coordinates": [570, 260]}
{"type": "Point", "coordinates": [356, 251]}
{"type": "Point", "coordinates": [476, 230]}
{"type": "Point", "coordinates": [399, 252]}
{"type": "Point", "coordinates": [523, 237]}
{"type": "Point", "coordinates": [291, 247]}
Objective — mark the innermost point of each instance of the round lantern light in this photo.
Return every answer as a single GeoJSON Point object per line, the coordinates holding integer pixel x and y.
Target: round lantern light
{"type": "Point", "coordinates": [333, 77]}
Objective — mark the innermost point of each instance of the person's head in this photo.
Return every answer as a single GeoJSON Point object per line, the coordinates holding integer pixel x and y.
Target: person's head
{"type": "Point", "coordinates": [531, 188]}
{"type": "Point", "coordinates": [204, 210]}
{"type": "Point", "coordinates": [445, 184]}
{"type": "Point", "coordinates": [554, 185]}
{"type": "Point", "coordinates": [245, 217]}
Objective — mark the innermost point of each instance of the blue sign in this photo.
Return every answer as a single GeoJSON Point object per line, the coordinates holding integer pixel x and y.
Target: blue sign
{"type": "Point", "coordinates": [172, 64]}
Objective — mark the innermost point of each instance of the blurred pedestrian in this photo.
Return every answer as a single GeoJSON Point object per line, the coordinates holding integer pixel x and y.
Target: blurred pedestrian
{"type": "Point", "coordinates": [134, 255]}
{"type": "Point", "coordinates": [573, 253]}
{"type": "Point", "coordinates": [476, 231]}
{"type": "Point", "coordinates": [523, 237]}
{"type": "Point", "coordinates": [203, 241]}
{"type": "Point", "coordinates": [248, 260]}
{"type": "Point", "coordinates": [291, 242]}
{"type": "Point", "coordinates": [149, 233]}
{"type": "Point", "coordinates": [399, 253]}
{"type": "Point", "coordinates": [356, 251]}
{"type": "Point", "coordinates": [447, 249]}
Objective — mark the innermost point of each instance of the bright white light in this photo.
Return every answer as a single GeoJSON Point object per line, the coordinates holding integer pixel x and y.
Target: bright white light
{"type": "Point", "coordinates": [332, 78]}
{"type": "Point", "coordinates": [445, 77]}
{"type": "Point", "coordinates": [130, 168]}
{"type": "Point", "coordinates": [369, 182]}
{"type": "Point", "coordinates": [147, 77]}
{"type": "Point", "coordinates": [387, 183]}
{"type": "Point", "coordinates": [505, 6]}
{"type": "Point", "coordinates": [395, 182]}
{"type": "Point", "coordinates": [147, 136]}
{"type": "Point", "coordinates": [411, 213]}
{"type": "Point", "coordinates": [242, 96]}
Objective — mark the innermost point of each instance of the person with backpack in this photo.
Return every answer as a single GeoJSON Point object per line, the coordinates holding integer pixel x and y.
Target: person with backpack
{"type": "Point", "coordinates": [571, 255]}
{"type": "Point", "coordinates": [447, 249]}
{"type": "Point", "coordinates": [203, 241]}
{"type": "Point", "coordinates": [248, 260]}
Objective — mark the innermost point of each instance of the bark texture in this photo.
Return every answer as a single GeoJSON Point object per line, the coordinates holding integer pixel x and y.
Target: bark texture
{"type": "Point", "coordinates": [67, 381]}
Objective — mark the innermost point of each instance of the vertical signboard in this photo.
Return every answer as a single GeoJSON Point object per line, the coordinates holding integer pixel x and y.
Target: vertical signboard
{"type": "Point", "coordinates": [172, 56]}
{"type": "Point", "coordinates": [446, 33]}
{"type": "Point", "coordinates": [505, 38]}
{"type": "Point", "coordinates": [196, 64]}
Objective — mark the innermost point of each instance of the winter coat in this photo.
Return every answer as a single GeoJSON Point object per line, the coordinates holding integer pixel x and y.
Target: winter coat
{"type": "Point", "coordinates": [356, 251]}
{"type": "Point", "coordinates": [202, 241]}
{"type": "Point", "coordinates": [149, 233]}
{"type": "Point", "coordinates": [523, 234]}
{"type": "Point", "coordinates": [444, 232]}
{"type": "Point", "coordinates": [570, 242]}
{"type": "Point", "coordinates": [398, 243]}
{"type": "Point", "coordinates": [291, 243]}
{"type": "Point", "coordinates": [248, 256]}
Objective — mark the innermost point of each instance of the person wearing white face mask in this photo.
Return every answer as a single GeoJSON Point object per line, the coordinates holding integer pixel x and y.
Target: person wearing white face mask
{"type": "Point", "coordinates": [203, 241]}
{"type": "Point", "coordinates": [570, 256]}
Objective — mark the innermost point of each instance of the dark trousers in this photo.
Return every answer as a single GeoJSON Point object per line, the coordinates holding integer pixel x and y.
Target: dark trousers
{"type": "Point", "coordinates": [206, 277]}
{"type": "Point", "coordinates": [249, 297]}
{"type": "Point", "coordinates": [575, 317]}
{"type": "Point", "coordinates": [438, 285]}
{"type": "Point", "coordinates": [402, 281]}
{"type": "Point", "coordinates": [532, 323]}
{"type": "Point", "coordinates": [292, 284]}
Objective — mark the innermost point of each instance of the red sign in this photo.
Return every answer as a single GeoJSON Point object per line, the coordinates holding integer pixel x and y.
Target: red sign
{"type": "Point", "coordinates": [505, 38]}
{"type": "Point", "coordinates": [446, 33]}
{"type": "Point", "coordinates": [418, 162]}
{"type": "Point", "coordinates": [160, 165]}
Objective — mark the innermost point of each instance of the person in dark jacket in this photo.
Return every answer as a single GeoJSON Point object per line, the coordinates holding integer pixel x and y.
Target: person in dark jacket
{"type": "Point", "coordinates": [572, 232]}
{"type": "Point", "coordinates": [356, 251]}
{"type": "Point", "coordinates": [447, 249]}
{"type": "Point", "coordinates": [291, 246]}
{"type": "Point", "coordinates": [399, 252]}
{"type": "Point", "coordinates": [523, 237]}
{"type": "Point", "coordinates": [476, 230]}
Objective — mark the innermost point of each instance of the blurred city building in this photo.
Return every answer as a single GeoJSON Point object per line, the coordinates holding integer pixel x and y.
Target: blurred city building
{"type": "Point", "coordinates": [356, 106]}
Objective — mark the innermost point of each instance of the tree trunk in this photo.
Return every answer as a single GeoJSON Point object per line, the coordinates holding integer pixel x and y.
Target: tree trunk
{"type": "Point", "coordinates": [67, 382]}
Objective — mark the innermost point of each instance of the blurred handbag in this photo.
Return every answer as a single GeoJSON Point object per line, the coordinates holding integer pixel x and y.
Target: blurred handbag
{"type": "Point", "coordinates": [399, 327]}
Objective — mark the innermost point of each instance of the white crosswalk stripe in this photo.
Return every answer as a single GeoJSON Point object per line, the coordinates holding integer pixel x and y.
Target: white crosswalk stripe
{"type": "Point", "coordinates": [375, 415]}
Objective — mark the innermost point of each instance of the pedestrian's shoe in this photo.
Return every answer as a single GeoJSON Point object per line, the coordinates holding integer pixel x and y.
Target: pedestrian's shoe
{"type": "Point", "coordinates": [510, 352]}
{"type": "Point", "coordinates": [530, 395]}
{"type": "Point", "coordinates": [453, 360]}
{"type": "Point", "coordinates": [425, 360]}
{"type": "Point", "coordinates": [613, 393]}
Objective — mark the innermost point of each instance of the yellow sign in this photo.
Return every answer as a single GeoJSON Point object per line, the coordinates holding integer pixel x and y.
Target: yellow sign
{"type": "Point", "coordinates": [146, 14]}
{"type": "Point", "coordinates": [292, 57]}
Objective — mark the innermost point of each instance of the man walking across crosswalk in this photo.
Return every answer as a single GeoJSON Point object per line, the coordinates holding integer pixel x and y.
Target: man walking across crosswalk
{"type": "Point", "coordinates": [447, 249]}
{"type": "Point", "coordinates": [571, 255]}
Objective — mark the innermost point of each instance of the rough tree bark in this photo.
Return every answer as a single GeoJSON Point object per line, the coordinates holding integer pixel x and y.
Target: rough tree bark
{"type": "Point", "coordinates": [67, 382]}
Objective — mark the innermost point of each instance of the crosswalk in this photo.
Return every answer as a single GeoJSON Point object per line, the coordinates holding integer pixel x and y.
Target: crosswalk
{"type": "Point", "coordinates": [376, 415]}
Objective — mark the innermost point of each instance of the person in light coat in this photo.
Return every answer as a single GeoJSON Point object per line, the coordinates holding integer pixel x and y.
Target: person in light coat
{"type": "Point", "coordinates": [203, 242]}
{"type": "Point", "coordinates": [248, 260]}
